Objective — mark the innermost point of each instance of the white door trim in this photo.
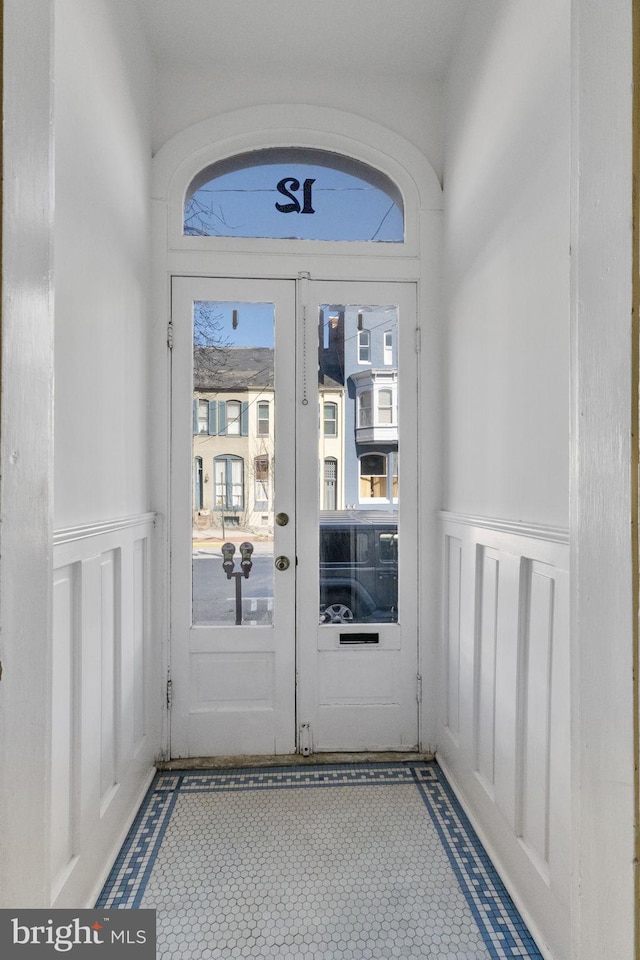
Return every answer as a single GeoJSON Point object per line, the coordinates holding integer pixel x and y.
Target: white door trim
{"type": "Point", "coordinates": [417, 261]}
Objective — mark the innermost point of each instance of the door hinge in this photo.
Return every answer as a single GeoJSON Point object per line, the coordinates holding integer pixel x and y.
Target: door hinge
{"type": "Point", "coordinates": [169, 693]}
{"type": "Point", "coordinates": [418, 340]}
{"type": "Point", "coordinates": [306, 745]}
{"type": "Point", "coordinates": [419, 687]}
{"type": "Point", "coordinates": [170, 335]}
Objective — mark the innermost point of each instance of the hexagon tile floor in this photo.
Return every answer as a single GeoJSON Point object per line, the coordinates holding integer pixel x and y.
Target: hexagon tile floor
{"type": "Point", "coordinates": [336, 862]}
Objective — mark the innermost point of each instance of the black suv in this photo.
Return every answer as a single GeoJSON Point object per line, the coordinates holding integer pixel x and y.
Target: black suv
{"type": "Point", "coordinates": [358, 567]}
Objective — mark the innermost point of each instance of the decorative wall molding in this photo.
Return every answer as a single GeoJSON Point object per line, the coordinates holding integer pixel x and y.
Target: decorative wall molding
{"type": "Point", "coordinates": [512, 527]}
{"type": "Point", "coordinates": [504, 731]}
{"type": "Point", "coordinates": [100, 528]}
{"type": "Point", "coordinates": [105, 715]}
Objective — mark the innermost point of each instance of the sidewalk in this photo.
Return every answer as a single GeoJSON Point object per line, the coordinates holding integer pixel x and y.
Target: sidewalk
{"type": "Point", "coordinates": [210, 540]}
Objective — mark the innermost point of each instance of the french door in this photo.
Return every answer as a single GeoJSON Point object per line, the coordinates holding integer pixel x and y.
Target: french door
{"type": "Point", "coordinates": [293, 517]}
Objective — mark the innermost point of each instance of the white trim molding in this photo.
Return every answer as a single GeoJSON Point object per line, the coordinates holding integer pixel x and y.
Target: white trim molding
{"type": "Point", "coordinates": [292, 125]}
{"type": "Point", "coordinates": [100, 528]}
{"type": "Point", "coordinates": [512, 527]}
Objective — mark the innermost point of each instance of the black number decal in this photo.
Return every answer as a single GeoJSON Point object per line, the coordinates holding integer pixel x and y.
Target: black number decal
{"type": "Point", "coordinates": [307, 197]}
{"type": "Point", "coordinates": [294, 206]}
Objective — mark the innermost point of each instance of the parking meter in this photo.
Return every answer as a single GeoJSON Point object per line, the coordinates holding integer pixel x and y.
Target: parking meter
{"type": "Point", "coordinates": [246, 549]}
{"type": "Point", "coordinates": [228, 550]}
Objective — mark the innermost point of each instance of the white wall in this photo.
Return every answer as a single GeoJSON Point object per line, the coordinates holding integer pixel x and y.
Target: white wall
{"type": "Point", "coordinates": [189, 94]}
{"type": "Point", "coordinates": [538, 320]}
{"type": "Point", "coordinates": [26, 450]}
{"type": "Point", "coordinates": [505, 719]}
{"type": "Point", "coordinates": [602, 612]}
{"type": "Point", "coordinates": [507, 194]}
{"type": "Point", "coordinates": [106, 700]}
{"type": "Point", "coordinates": [102, 162]}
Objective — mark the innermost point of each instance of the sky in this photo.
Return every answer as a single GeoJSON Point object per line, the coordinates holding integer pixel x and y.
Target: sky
{"type": "Point", "coordinates": [338, 206]}
{"type": "Point", "coordinates": [255, 323]}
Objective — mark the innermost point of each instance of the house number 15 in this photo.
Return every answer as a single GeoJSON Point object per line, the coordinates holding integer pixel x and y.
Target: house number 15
{"type": "Point", "coordinates": [294, 206]}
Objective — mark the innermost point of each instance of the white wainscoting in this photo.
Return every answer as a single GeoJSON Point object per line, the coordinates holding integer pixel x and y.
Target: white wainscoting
{"type": "Point", "coordinates": [504, 737]}
{"type": "Point", "coordinates": [103, 727]}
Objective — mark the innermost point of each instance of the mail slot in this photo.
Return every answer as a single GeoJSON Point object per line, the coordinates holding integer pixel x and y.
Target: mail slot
{"type": "Point", "coordinates": [352, 638]}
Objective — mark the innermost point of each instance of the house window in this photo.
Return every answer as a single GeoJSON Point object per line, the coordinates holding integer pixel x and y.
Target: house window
{"type": "Point", "coordinates": [385, 406]}
{"type": "Point", "coordinates": [234, 411]}
{"type": "Point", "coordinates": [388, 349]}
{"type": "Point", "coordinates": [364, 409]}
{"type": "Point", "coordinates": [197, 484]}
{"type": "Point", "coordinates": [261, 481]}
{"type": "Point", "coordinates": [330, 483]}
{"type": "Point", "coordinates": [364, 346]}
{"type": "Point", "coordinates": [228, 472]}
{"type": "Point", "coordinates": [263, 418]}
{"type": "Point", "coordinates": [331, 419]}
{"type": "Point", "coordinates": [266, 193]}
{"type": "Point", "coordinates": [393, 464]}
{"type": "Point", "coordinates": [373, 476]}
{"type": "Point", "coordinates": [203, 416]}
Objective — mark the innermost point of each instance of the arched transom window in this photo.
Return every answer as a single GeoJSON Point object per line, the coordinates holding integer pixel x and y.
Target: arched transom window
{"type": "Point", "coordinates": [294, 193]}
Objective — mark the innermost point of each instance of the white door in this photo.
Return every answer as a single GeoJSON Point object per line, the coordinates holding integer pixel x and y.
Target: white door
{"type": "Point", "coordinates": [357, 541]}
{"type": "Point", "coordinates": [293, 567]}
{"type": "Point", "coordinates": [233, 357]}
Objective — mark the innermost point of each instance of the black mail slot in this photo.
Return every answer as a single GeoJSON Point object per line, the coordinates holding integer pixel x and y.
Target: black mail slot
{"type": "Point", "coordinates": [359, 638]}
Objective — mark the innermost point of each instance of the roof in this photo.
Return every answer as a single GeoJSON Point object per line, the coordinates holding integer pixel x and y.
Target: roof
{"type": "Point", "coordinates": [232, 368]}
{"type": "Point", "coordinates": [239, 368]}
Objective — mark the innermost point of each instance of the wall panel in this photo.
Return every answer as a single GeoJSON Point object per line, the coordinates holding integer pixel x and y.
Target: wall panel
{"type": "Point", "coordinates": [533, 813]}
{"type": "Point", "coordinates": [453, 576]}
{"type": "Point", "coordinates": [506, 647]}
{"type": "Point", "coordinates": [102, 717]}
{"type": "Point", "coordinates": [64, 749]}
{"type": "Point", "coordinates": [484, 693]}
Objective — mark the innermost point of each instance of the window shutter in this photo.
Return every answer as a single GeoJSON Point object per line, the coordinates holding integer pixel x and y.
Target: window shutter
{"type": "Point", "coordinates": [222, 418]}
{"type": "Point", "coordinates": [213, 418]}
{"type": "Point", "coordinates": [195, 418]}
{"type": "Point", "coordinates": [244, 419]}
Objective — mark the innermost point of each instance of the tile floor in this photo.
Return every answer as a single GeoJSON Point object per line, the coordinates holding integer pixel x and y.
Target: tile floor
{"type": "Point", "coordinates": [336, 862]}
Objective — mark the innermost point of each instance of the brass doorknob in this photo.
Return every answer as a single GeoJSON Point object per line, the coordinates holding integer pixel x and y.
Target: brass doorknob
{"type": "Point", "coordinates": [282, 563]}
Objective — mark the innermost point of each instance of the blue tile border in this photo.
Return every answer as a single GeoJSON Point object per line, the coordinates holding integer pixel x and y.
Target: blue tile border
{"type": "Point", "coordinates": [504, 931]}
{"type": "Point", "coordinates": [499, 922]}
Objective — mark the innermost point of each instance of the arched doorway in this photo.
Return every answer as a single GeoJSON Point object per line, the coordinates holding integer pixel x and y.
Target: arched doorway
{"type": "Point", "coordinates": [326, 652]}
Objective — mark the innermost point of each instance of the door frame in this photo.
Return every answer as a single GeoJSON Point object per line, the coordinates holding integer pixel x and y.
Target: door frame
{"type": "Point", "coordinates": [416, 260]}
{"type": "Point", "coordinates": [371, 693]}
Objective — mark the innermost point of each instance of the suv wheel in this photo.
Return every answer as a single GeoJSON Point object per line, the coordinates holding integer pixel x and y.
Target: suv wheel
{"type": "Point", "coordinates": [337, 613]}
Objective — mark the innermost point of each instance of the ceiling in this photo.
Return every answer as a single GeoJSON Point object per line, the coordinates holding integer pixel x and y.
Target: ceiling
{"type": "Point", "coordinates": [404, 36]}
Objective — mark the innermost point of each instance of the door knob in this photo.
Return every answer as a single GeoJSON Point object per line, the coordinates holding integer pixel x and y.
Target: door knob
{"type": "Point", "coordinates": [282, 519]}
{"type": "Point", "coordinates": [282, 563]}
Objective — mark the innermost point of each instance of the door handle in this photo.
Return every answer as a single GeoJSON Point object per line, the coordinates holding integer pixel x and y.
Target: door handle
{"type": "Point", "coordinates": [282, 563]}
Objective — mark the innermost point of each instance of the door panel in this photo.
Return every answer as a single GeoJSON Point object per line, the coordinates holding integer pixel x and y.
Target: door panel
{"type": "Point", "coordinates": [357, 603]}
{"type": "Point", "coordinates": [232, 637]}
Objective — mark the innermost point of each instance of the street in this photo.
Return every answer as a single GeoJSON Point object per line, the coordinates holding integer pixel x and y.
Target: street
{"type": "Point", "coordinates": [214, 596]}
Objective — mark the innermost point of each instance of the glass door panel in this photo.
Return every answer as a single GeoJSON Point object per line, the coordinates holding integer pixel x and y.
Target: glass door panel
{"type": "Point", "coordinates": [358, 440]}
{"type": "Point", "coordinates": [233, 449]}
